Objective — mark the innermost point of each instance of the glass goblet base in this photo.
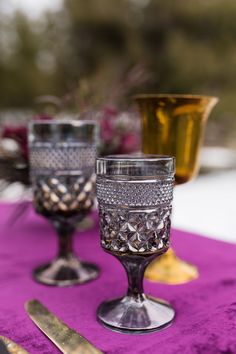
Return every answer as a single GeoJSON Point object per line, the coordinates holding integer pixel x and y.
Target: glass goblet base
{"type": "Point", "coordinates": [136, 315]}
{"type": "Point", "coordinates": [66, 271]}
{"type": "Point", "coordinates": [169, 269]}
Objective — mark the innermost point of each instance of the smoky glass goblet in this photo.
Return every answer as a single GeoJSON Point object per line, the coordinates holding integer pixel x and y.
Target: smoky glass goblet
{"type": "Point", "coordinates": [134, 196]}
{"type": "Point", "coordinates": [62, 161]}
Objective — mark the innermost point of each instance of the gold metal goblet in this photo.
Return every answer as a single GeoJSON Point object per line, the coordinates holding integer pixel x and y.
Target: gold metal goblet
{"type": "Point", "coordinates": [174, 125]}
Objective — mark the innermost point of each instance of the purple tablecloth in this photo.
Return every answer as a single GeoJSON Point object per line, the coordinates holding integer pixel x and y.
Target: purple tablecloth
{"type": "Point", "coordinates": [206, 308]}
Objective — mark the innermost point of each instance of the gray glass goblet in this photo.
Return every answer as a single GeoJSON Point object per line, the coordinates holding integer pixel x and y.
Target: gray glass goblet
{"type": "Point", "coordinates": [134, 196]}
{"type": "Point", "coordinates": [62, 161]}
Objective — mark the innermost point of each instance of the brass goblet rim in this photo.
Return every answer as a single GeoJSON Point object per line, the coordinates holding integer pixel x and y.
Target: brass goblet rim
{"type": "Point", "coordinates": [173, 95]}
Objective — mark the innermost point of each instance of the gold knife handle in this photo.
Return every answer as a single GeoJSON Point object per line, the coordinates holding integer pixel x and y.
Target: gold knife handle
{"type": "Point", "coordinates": [65, 338]}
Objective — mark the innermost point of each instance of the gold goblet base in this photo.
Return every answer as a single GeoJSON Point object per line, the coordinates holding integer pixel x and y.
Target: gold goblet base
{"type": "Point", "coordinates": [86, 224]}
{"type": "Point", "coordinates": [170, 269]}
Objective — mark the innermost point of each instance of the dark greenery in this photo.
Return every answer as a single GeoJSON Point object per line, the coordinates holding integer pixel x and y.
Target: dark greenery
{"type": "Point", "coordinates": [186, 46]}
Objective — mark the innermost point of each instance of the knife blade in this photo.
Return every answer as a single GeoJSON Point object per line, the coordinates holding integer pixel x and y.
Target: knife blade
{"type": "Point", "coordinates": [12, 347]}
{"type": "Point", "coordinates": [65, 338]}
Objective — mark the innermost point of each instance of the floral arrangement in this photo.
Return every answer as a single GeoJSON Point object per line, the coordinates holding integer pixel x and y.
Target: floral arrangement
{"type": "Point", "coordinates": [119, 132]}
{"type": "Point", "coordinates": [120, 128]}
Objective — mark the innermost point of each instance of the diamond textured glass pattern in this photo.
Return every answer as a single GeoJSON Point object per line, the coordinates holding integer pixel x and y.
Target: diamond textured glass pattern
{"type": "Point", "coordinates": [135, 231]}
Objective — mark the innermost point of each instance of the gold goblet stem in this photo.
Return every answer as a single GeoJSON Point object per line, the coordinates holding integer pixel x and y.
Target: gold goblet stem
{"type": "Point", "coordinates": [170, 269]}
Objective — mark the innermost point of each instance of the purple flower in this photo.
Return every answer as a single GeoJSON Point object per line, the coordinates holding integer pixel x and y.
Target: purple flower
{"type": "Point", "coordinates": [130, 142]}
{"type": "Point", "coordinates": [108, 116]}
{"type": "Point", "coordinates": [118, 131]}
{"type": "Point", "coordinates": [42, 116]}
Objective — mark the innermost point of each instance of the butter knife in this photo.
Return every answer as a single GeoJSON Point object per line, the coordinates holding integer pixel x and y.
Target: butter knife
{"type": "Point", "coordinates": [65, 338]}
{"type": "Point", "coordinates": [12, 347]}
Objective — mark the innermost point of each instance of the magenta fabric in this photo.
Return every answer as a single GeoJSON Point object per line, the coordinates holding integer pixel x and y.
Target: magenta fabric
{"type": "Point", "coordinates": [205, 308]}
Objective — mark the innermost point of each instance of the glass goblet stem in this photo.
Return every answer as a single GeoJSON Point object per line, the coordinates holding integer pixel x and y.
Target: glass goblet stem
{"type": "Point", "coordinates": [67, 268]}
{"type": "Point", "coordinates": [135, 312]}
{"type": "Point", "coordinates": [65, 233]}
{"type": "Point", "coordinates": [135, 267]}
